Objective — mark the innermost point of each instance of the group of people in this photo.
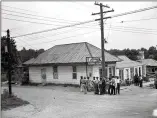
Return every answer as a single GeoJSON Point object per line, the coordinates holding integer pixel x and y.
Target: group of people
{"type": "Point", "coordinates": [101, 86]}
{"type": "Point", "coordinates": [138, 80]}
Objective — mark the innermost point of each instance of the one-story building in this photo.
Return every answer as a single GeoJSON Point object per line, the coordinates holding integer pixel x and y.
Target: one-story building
{"type": "Point", "coordinates": [127, 68]}
{"type": "Point", "coordinates": [65, 64]}
{"type": "Point", "coordinates": [149, 67]}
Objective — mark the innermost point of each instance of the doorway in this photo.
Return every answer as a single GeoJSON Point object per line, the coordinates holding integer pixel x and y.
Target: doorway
{"type": "Point", "coordinates": [43, 75]}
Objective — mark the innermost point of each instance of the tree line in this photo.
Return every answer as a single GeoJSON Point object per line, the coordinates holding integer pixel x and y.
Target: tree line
{"type": "Point", "coordinates": [133, 54]}
{"type": "Point", "coordinates": [21, 56]}
{"type": "Point", "coordinates": [17, 57]}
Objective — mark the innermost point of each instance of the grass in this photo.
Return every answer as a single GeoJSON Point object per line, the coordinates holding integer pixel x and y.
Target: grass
{"type": "Point", "coordinates": [8, 102]}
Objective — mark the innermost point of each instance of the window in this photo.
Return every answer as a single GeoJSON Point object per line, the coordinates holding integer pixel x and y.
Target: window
{"type": "Point", "coordinates": [110, 72]}
{"type": "Point", "coordinates": [121, 74]}
{"type": "Point", "coordinates": [100, 72]}
{"type": "Point", "coordinates": [127, 73]}
{"type": "Point", "coordinates": [55, 72]}
{"type": "Point", "coordinates": [132, 72]}
{"type": "Point", "coordinates": [136, 71]}
{"type": "Point", "coordinates": [74, 74]}
{"type": "Point", "coordinates": [139, 71]}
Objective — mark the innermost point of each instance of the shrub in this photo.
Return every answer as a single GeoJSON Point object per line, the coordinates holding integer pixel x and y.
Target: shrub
{"type": "Point", "coordinates": [3, 77]}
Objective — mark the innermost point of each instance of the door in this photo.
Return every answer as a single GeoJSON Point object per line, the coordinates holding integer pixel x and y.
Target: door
{"type": "Point", "coordinates": [90, 71]}
{"type": "Point", "coordinates": [43, 75]}
{"type": "Point", "coordinates": [121, 75]}
{"type": "Point", "coordinates": [127, 74]}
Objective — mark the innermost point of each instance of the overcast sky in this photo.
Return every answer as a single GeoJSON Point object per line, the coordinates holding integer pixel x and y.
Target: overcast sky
{"type": "Point", "coordinates": [135, 33]}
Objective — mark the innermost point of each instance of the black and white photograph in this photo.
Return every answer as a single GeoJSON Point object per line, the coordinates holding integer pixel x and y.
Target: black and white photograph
{"type": "Point", "coordinates": [78, 59]}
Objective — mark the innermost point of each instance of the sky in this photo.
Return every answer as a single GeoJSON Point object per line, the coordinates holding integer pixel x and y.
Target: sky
{"type": "Point", "coordinates": [28, 17]}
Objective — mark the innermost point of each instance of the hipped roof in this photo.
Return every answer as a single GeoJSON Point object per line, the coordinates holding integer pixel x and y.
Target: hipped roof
{"type": "Point", "coordinates": [70, 53]}
{"type": "Point", "coordinates": [148, 62]}
{"type": "Point", "coordinates": [127, 63]}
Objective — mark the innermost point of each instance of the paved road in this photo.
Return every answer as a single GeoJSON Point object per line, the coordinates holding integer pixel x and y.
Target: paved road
{"type": "Point", "coordinates": [68, 102]}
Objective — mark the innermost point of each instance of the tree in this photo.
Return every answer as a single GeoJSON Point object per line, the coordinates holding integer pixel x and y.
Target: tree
{"type": "Point", "coordinates": [14, 55]}
{"type": "Point", "coordinates": [30, 53]}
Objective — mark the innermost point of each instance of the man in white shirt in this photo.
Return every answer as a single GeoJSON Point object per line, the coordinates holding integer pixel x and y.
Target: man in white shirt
{"type": "Point", "coordinates": [118, 85]}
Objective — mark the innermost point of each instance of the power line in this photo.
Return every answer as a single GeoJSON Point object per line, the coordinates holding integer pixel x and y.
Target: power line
{"type": "Point", "coordinates": [133, 31]}
{"type": "Point", "coordinates": [110, 28]}
{"type": "Point", "coordinates": [130, 12]}
{"type": "Point", "coordinates": [62, 27]}
{"type": "Point", "coordinates": [25, 42]}
{"type": "Point", "coordinates": [144, 30]}
{"type": "Point", "coordinates": [134, 28]}
{"type": "Point", "coordinates": [65, 37]}
{"type": "Point", "coordinates": [82, 35]}
{"type": "Point", "coordinates": [38, 15]}
{"type": "Point", "coordinates": [30, 21]}
{"type": "Point", "coordinates": [37, 38]}
{"type": "Point", "coordinates": [38, 22]}
{"type": "Point", "coordinates": [36, 18]}
{"type": "Point", "coordinates": [77, 27]}
{"type": "Point", "coordinates": [138, 20]}
{"type": "Point", "coordinates": [19, 8]}
{"type": "Point", "coordinates": [140, 10]}
{"type": "Point", "coordinates": [60, 22]}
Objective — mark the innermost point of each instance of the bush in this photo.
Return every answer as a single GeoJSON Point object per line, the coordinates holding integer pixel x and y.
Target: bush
{"type": "Point", "coordinates": [3, 77]}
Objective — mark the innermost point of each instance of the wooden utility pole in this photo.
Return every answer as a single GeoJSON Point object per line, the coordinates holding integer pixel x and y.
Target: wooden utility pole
{"type": "Point", "coordinates": [9, 61]}
{"type": "Point", "coordinates": [102, 33]}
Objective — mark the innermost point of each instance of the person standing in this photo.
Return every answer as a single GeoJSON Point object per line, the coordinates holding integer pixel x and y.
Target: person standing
{"type": "Point", "coordinates": [81, 81]}
{"type": "Point", "coordinates": [110, 86]}
{"type": "Point", "coordinates": [103, 86]}
{"type": "Point", "coordinates": [100, 86]}
{"type": "Point", "coordinates": [118, 85]}
{"type": "Point", "coordinates": [84, 85]}
{"type": "Point", "coordinates": [155, 80]}
{"type": "Point", "coordinates": [113, 86]}
{"type": "Point", "coordinates": [88, 84]}
{"type": "Point", "coordinates": [96, 86]}
{"type": "Point", "coordinates": [141, 81]}
{"type": "Point", "coordinates": [136, 79]}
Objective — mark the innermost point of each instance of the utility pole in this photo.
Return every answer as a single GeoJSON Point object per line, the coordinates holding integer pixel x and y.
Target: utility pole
{"type": "Point", "coordinates": [9, 61]}
{"type": "Point", "coordinates": [103, 41]}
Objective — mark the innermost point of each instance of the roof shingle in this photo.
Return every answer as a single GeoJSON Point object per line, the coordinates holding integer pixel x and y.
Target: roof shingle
{"type": "Point", "coordinates": [70, 53]}
{"type": "Point", "coordinates": [148, 62]}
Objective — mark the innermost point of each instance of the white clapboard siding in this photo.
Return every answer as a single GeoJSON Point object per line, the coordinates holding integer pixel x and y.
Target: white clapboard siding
{"type": "Point", "coordinates": [64, 74]}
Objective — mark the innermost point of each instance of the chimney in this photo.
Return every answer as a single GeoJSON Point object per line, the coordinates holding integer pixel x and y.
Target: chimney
{"type": "Point", "coordinates": [141, 54]}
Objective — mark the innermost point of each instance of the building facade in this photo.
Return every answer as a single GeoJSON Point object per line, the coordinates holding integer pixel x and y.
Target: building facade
{"type": "Point", "coordinates": [126, 69]}
{"type": "Point", "coordinates": [65, 64]}
{"type": "Point", "coordinates": [149, 67]}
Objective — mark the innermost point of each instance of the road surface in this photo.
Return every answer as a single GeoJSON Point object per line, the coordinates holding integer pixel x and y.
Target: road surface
{"type": "Point", "coordinates": [69, 102]}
